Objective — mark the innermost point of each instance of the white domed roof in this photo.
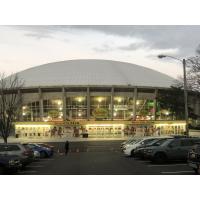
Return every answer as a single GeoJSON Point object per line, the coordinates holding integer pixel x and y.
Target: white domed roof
{"type": "Point", "coordinates": [93, 72]}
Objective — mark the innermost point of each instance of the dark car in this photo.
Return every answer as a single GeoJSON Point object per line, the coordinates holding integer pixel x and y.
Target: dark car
{"type": "Point", "coordinates": [172, 149]}
{"type": "Point", "coordinates": [44, 151]}
{"type": "Point", "coordinates": [9, 163]}
{"type": "Point", "coordinates": [194, 158]}
{"type": "Point", "coordinates": [140, 152]}
{"type": "Point", "coordinates": [47, 146]}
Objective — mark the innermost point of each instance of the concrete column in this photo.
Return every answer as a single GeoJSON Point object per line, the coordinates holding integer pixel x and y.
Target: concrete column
{"type": "Point", "coordinates": [112, 102]}
{"type": "Point", "coordinates": [134, 103]}
{"type": "Point", "coordinates": [19, 115]}
{"type": "Point", "coordinates": [64, 103]}
{"type": "Point", "coordinates": [155, 104]}
{"type": "Point", "coordinates": [41, 104]}
{"type": "Point", "coordinates": [88, 103]}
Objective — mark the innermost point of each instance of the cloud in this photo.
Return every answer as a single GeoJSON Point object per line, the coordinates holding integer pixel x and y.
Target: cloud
{"type": "Point", "coordinates": [198, 49]}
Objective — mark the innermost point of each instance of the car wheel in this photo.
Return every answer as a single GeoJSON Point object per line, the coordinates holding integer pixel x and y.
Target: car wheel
{"type": "Point", "coordinates": [1, 170]}
{"type": "Point", "coordinates": [197, 170]}
{"type": "Point", "coordinates": [43, 154]}
{"type": "Point", "coordinates": [160, 158]}
{"type": "Point", "coordinates": [132, 153]}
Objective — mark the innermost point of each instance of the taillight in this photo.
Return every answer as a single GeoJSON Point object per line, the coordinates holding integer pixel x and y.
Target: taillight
{"type": "Point", "coordinates": [26, 153]}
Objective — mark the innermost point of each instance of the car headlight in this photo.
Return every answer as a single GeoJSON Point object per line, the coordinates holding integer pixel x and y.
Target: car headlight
{"type": "Point", "coordinates": [11, 162]}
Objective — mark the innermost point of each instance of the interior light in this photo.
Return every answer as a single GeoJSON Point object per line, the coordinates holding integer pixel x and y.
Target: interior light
{"type": "Point", "coordinates": [59, 102]}
{"type": "Point", "coordinates": [99, 100]}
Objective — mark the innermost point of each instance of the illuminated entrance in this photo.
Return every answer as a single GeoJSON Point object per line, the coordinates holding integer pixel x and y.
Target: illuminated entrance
{"type": "Point", "coordinates": [105, 130]}
{"type": "Point", "coordinates": [97, 129]}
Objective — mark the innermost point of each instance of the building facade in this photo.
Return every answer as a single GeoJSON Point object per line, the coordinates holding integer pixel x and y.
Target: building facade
{"type": "Point", "coordinates": [73, 97]}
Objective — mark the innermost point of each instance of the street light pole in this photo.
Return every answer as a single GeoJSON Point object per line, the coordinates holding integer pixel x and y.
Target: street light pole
{"type": "Point", "coordinates": [185, 90]}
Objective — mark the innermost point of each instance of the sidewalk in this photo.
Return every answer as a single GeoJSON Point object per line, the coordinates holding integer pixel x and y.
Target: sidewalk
{"type": "Point", "coordinates": [54, 139]}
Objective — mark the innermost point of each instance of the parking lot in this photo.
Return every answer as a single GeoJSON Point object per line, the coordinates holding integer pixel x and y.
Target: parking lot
{"type": "Point", "coordinates": [99, 158]}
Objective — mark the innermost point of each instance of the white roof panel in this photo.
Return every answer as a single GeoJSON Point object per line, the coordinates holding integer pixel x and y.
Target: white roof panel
{"type": "Point", "coordinates": [93, 72]}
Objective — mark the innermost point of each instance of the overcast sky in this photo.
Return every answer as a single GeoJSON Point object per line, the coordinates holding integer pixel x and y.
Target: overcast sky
{"type": "Point", "coordinates": [22, 47]}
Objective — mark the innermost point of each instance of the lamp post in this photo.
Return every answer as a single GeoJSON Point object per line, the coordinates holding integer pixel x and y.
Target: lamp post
{"type": "Point", "coordinates": [183, 61]}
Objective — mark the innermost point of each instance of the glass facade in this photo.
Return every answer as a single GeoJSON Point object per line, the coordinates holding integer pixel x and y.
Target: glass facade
{"type": "Point", "coordinates": [145, 109]}
{"type": "Point", "coordinates": [52, 109]}
{"type": "Point", "coordinates": [76, 107]}
{"type": "Point", "coordinates": [123, 108]}
{"type": "Point", "coordinates": [31, 111]}
{"type": "Point", "coordinates": [100, 107]}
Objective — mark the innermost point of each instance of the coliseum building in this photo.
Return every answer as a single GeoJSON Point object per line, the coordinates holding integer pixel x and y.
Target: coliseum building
{"type": "Point", "coordinates": [103, 98]}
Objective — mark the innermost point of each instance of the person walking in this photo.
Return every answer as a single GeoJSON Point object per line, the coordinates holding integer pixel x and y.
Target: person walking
{"type": "Point", "coordinates": [66, 147]}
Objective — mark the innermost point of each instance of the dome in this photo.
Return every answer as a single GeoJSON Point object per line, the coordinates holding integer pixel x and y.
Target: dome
{"type": "Point", "coordinates": [93, 72]}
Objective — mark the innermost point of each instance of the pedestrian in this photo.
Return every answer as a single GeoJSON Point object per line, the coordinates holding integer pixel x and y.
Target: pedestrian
{"type": "Point", "coordinates": [66, 147]}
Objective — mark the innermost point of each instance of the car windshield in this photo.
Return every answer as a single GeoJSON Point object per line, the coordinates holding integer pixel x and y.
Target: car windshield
{"type": "Point", "coordinates": [160, 142]}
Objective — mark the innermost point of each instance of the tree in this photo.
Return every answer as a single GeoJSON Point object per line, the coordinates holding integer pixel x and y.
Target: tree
{"type": "Point", "coordinates": [10, 101]}
{"type": "Point", "coordinates": [193, 74]}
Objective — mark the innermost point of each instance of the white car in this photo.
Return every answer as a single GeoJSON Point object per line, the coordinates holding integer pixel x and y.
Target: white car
{"type": "Point", "coordinates": [129, 148]}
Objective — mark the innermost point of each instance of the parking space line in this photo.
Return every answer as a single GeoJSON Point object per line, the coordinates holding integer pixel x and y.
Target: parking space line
{"type": "Point", "coordinates": [169, 165]}
{"type": "Point", "coordinates": [27, 172]}
{"type": "Point", "coordinates": [35, 166]}
{"type": "Point", "coordinates": [177, 172]}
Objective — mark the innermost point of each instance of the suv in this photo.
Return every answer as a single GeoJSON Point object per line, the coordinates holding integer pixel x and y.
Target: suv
{"type": "Point", "coordinates": [9, 163]}
{"type": "Point", "coordinates": [25, 154]}
{"type": "Point", "coordinates": [171, 149]}
{"type": "Point", "coordinates": [140, 151]}
{"type": "Point", "coordinates": [194, 158]}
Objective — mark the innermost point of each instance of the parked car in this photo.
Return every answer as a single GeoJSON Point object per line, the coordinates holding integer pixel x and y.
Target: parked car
{"type": "Point", "coordinates": [176, 148]}
{"type": "Point", "coordinates": [36, 154]}
{"type": "Point", "coordinates": [25, 154]}
{"type": "Point", "coordinates": [130, 140]}
{"type": "Point", "coordinates": [129, 148]}
{"type": "Point", "coordinates": [140, 151]}
{"type": "Point", "coordinates": [44, 151]}
{"type": "Point", "coordinates": [9, 163]}
{"type": "Point", "coordinates": [47, 146]}
{"type": "Point", "coordinates": [194, 158]}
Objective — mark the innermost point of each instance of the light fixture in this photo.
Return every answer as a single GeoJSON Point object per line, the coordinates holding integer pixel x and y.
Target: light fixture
{"type": "Point", "coordinates": [99, 100]}
{"type": "Point", "coordinates": [167, 113]}
{"type": "Point", "coordinates": [79, 114]}
{"type": "Point", "coordinates": [79, 99]}
{"type": "Point", "coordinates": [59, 102]}
{"type": "Point", "coordinates": [60, 108]}
{"type": "Point", "coordinates": [119, 100]}
{"type": "Point", "coordinates": [114, 114]}
{"type": "Point", "coordinates": [137, 102]}
{"type": "Point", "coordinates": [23, 113]}
{"type": "Point", "coordinates": [24, 107]}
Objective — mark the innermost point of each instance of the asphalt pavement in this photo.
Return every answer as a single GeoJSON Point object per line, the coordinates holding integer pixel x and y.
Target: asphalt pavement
{"type": "Point", "coordinates": [100, 158]}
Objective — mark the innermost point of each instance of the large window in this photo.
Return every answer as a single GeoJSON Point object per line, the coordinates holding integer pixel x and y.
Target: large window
{"type": "Point", "coordinates": [145, 109]}
{"type": "Point", "coordinates": [122, 108]}
{"type": "Point", "coordinates": [31, 111]}
{"type": "Point", "coordinates": [53, 109]}
{"type": "Point", "coordinates": [100, 107]}
{"type": "Point", "coordinates": [76, 107]}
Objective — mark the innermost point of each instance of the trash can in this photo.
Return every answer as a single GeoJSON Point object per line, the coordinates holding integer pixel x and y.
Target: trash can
{"type": "Point", "coordinates": [85, 135]}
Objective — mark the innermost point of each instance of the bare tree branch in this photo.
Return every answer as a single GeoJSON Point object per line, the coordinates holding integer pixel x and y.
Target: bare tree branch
{"type": "Point", "coordinates": [10, 101]}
